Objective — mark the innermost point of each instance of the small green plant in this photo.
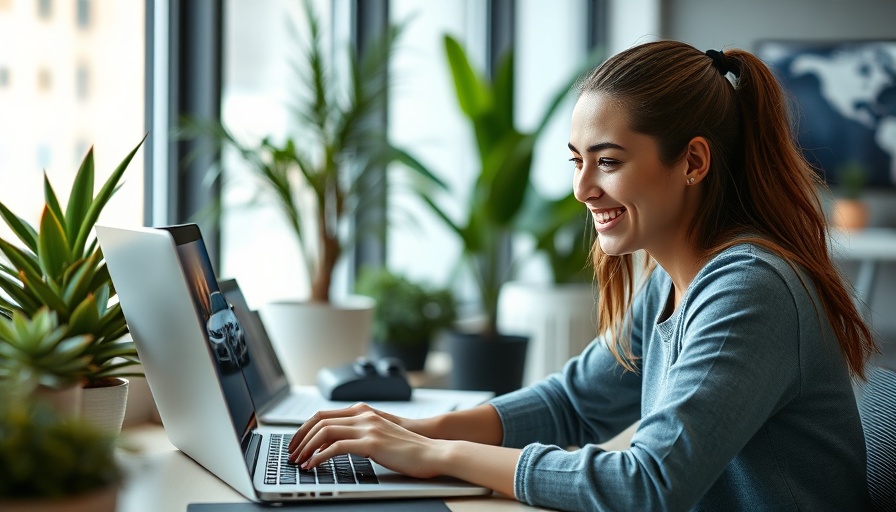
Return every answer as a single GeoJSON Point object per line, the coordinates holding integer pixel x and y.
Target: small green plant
{"type": "Point", "coordinates": [38, 351]}
{"type": "Point", "coordinates": [62, 269]}
{"type": "Point", "coordinates": [44, 454]}
{"type": "Point", "coordinates": [406, 313]}
{"type": "Point", "coordinates": [852, 178]}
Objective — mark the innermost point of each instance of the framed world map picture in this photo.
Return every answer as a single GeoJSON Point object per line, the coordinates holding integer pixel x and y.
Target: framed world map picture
{"type": "Point", "coordinates": [845, 95]}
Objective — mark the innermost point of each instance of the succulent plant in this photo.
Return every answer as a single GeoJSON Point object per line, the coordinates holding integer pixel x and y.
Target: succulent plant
{"type": "Point", "coordinates": [44, 454]}
{"type": "Point", "coordinates": [60, 268]}
{"type": "Point", "coordinates": [37, 351]}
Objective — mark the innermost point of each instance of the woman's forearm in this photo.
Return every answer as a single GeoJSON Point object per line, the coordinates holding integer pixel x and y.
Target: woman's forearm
{"type": "Point", "coordinates": [489, 466]}
{"type": "Point", "coordinates": [478, 425]}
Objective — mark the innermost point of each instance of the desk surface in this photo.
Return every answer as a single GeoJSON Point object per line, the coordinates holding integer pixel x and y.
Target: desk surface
{"type": "Point", "coordinates": [865, 244]}
{"type": "Point", "coordinates": [161, 477]}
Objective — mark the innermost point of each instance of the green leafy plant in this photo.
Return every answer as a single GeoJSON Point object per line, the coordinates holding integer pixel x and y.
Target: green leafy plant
{"type": "Point", "coordinates": [502, 200]}
{"type": "Point", "coordinates": [62, 269]}
{"type": "Point", "coordinates": [339, 157]}
{"type": "Point", "coordinates": [38, 351]}
{"type": "Point", "coordinates": [852, 178]}
{"type": "Point", "coordinates": [406, 313]}
{"type": "Point", "coordinates": [44, 454]}
{"type": "Point", "coordinates": [563, 233]}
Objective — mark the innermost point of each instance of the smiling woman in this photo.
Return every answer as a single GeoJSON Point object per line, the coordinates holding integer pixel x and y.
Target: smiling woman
{"type": "Point", "coordinates": [735, 354]}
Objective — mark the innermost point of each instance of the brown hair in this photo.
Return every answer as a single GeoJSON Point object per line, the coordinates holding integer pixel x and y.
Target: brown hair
{"type": "Point", "coordinates": [759, 189]}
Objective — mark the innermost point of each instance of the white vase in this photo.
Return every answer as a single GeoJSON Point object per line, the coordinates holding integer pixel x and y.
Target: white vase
{"type": "Point", "coordinates": [104, 405]}
{"type": "Point", "coordinates": [308, 336]}
{"type": "Point", "coordinates": [558, 319]}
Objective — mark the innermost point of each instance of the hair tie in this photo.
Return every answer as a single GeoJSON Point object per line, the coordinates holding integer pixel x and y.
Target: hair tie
{"type": "Point", "coordinates": [721, 63]}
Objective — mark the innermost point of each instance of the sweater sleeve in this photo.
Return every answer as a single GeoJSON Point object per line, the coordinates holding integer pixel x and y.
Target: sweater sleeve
{"type": "Point", "coordinates": [590, 401]}
{"type": "Point", "coordinates": [731, 366]}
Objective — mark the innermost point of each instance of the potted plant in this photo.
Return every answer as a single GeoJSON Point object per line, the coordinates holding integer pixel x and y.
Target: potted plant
{"type": "Point", "coordinates": [320, 178]}
{"type": "Point", "coordinates": [37, 357]}
{"type": "Point", "coordinates": [850, 211]}
{"type": "Point", "coordinates": [501, 194]}
{"type": "Point", "coordinates": [51, 461]}
{"type": "Point", "coordinates": [557, 314]}
{"type": "Point", "coordinates": [61, 268]}
{"type": "Point", "coordinates": [406, 317]}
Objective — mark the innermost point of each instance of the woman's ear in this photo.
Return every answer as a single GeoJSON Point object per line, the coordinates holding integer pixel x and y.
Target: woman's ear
{"type": "Point", "coordinates": [698, 158]}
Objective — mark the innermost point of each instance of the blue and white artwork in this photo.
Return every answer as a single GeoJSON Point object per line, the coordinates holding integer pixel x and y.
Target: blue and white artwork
{"type": "Point", "coordinates": [845, 94]}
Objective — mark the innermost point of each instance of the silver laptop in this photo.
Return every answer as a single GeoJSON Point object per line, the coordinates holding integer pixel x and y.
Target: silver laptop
{"type": "Point", "coordinates": [188, 342]}
{"type": "Point", "coordinates": [277, 402]}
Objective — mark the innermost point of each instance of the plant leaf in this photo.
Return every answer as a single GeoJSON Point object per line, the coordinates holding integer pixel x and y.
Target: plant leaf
{"type": "Point", "coordinates": [52, 246]}
{"type": "Point", "coordinates": [473, 97]}
{"type": "Point", "coordinates": [51, 201]}
{"type": "Point", "coordinates": [22, 229]}
{"type": "Point", "coordinates": [84, 319]}
{"type": "Point", "coordinates": [81, 197]}
{"type": "Point", "coordinates": [102, 197]}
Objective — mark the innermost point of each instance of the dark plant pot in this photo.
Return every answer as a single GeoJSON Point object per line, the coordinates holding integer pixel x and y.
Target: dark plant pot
{"type": "Point", "coordinates": [483, 364]}
{"type": "Point", "coordinates": [413, 356]}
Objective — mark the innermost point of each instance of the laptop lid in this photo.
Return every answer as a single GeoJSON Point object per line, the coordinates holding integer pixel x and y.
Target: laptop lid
{"type": "Point", "coordinates": [264, 375]}
{"type": "Point", "coordinates": [188, 344]}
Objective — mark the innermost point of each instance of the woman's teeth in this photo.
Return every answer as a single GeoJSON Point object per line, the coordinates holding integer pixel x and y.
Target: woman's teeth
{"type": "Point", "coordinates": [606, 216]}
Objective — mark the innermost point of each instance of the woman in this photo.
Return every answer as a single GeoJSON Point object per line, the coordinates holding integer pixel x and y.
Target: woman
{"type": "Point", "coordinates": [735, 352]}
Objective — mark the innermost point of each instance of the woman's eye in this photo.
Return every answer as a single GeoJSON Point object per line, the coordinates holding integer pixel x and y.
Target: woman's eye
{"type": "Point", "coordinates": [577, 162]}
{"type": "Point", "coordinates": [607, 163]}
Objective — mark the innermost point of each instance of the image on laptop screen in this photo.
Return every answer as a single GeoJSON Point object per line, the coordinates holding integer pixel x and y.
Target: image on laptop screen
{"type": "Point", "coordinates": [263, 372]}
{"type": "Point", "coordinates": [224, 334]}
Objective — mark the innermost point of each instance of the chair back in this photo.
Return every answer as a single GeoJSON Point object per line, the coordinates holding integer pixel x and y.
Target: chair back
{"type": "Point", "coordinates": [877, 407]}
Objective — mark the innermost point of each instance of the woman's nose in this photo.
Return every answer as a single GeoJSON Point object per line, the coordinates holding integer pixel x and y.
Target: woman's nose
{"type": "Point", "coordinates": [585, 186]}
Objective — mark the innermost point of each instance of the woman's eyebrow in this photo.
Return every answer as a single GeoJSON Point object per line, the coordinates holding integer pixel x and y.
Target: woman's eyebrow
{"type": "Point", "coordinates": [596, 147]}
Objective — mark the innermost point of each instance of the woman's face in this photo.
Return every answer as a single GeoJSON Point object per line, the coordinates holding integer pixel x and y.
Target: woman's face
{"type": "Point", "coordinates": [635, 200]}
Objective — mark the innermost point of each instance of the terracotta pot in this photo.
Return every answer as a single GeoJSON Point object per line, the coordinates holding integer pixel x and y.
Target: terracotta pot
{"type": "Point", "coordinates": [103, 500]}
{"type": "Point", "coordinates": [850, 214]}
{"type": "Point", "coordinates": [66, 401]}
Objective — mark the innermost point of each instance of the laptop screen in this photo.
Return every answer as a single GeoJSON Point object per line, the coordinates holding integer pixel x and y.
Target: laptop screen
{"type": "Point", "coordinates": [263, 372]}
{"type": "Point", "coordinates": [224, 335]}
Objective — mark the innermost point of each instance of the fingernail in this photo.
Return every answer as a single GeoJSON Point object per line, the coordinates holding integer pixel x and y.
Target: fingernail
{"type": "Point", "coordinates": [305, 465]}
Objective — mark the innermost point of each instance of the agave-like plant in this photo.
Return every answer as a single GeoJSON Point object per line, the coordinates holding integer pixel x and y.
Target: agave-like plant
{"type": "Point", "coordinates": [58, 268]}
{"type": "Point", "coordinates": [38, 351]}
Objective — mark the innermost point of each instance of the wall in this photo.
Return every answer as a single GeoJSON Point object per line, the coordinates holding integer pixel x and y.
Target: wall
{"type": "Point", "coordinates": [731, 23]}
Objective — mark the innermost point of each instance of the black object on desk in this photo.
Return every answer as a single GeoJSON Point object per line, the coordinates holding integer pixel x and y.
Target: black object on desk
{"type": "Point", "coordinates": [411, 505]}
{"type": "Point", "coordinates": [365, 380]}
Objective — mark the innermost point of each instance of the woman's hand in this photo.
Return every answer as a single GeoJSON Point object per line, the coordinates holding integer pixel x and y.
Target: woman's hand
{"type": "Point", "coordinates": [365, 431]}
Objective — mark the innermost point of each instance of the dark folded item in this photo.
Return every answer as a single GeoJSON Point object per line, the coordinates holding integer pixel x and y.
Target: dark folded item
{"type": "Point", "coordinates": [404, 505]}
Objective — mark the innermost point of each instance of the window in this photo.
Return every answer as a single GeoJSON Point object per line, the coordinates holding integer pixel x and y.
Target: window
{"type": "Point", "coordinates": [83, 13]}
{"type": "Point", "coordinates": [45, 9]}
{"type": "Point", "coordinates": [44, 80]}
{"type": "Point", "coordinates": [82, 82]}
{"type": "Point", "coordinates": [53, 64]}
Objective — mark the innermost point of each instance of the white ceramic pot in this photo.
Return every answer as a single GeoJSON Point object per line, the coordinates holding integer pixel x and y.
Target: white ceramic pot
{"type": "Point", "coordinates": [558, 319]}
{"type": "Point", "coordinates": [309, 336]}
{"type": "Point", "coordinates": [105, 405]}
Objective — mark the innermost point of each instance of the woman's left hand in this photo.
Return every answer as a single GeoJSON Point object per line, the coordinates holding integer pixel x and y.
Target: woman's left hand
{"type": "Point", "coordinates": [365, 431]}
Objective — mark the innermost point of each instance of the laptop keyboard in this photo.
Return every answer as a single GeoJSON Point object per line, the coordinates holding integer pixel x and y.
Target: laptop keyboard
{"type": "Point", "coordinates": [341, 469]}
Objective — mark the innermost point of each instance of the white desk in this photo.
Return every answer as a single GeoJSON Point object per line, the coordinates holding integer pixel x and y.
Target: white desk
{"type": "Point", "coordinates": [161, 478]}
{"type": "Point", "coordinates": [869, 247]}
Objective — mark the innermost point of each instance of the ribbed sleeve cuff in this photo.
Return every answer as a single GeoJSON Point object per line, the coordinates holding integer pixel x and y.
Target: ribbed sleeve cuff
{"type": "Point", "coordinates": [525, 417]}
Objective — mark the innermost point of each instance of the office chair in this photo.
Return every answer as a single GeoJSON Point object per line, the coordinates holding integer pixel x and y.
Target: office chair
{"type": "Point", "coordinates": [877, 407]}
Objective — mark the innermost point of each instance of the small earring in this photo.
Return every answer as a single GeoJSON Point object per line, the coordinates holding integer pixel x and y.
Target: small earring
{"type": "Point", "coordinates": [691, 180]}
